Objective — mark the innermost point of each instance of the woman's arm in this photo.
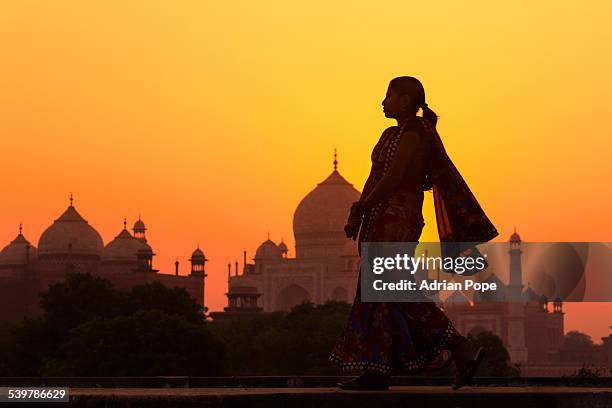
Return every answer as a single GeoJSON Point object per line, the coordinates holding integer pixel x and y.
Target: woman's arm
{"type": "Point", "coordinates": [406, 150]}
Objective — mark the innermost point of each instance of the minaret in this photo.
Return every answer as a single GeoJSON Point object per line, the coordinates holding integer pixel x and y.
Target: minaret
{"type": "Point", "coordinates": [515, 286]}
{"type": "Point", "coordinates": [283, 248]}
{"type": "Point", "coordinates": [139, 230]}
{"type": "Point", "coordinates": [176, 267]}
{"type": "Point", "coordinates": [198, 270]}
{"type": "Point", "coordinates": [198, 262]}
{"type": "Point", "coordinates": [515, 342]}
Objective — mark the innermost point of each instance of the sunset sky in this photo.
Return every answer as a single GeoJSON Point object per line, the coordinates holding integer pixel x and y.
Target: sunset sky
{"type": "Point", "coordinates": [213, 119]}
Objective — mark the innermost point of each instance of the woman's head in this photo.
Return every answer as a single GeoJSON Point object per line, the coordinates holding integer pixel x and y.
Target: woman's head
{"type": "Point", "coordinates": [405, 96]}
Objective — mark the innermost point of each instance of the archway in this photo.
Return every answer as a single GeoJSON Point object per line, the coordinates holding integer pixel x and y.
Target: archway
{"type": "Point", "coordinates": [290, 296]}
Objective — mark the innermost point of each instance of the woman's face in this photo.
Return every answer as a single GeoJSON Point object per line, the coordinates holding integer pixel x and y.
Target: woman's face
{"type": "Point", "coordinates": [394, 104]}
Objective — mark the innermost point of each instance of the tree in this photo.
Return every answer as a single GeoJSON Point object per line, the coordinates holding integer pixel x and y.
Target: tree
{"type": "Point", "coordinates": [172, 301]}
{"type": "Point", "coordinates": [34, 346]}
{"type": "Point", "coordinates": [79, 299]}
{"type": "Point", "coordinates": [280, 343]}
{"type": "Point", "coordinates": [496, 362]}
{"type": "Point", "coordinates": [143, 344]}
{"type": "Point", "coordinates": [575, 340]}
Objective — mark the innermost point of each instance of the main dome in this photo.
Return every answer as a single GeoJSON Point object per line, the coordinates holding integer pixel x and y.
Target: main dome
{"type": "Point", "coordinates": [70, 233]}
{"type": "Point", "coordinates": [326, 208]}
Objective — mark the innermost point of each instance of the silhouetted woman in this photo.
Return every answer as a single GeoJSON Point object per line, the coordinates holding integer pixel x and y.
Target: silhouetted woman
{"type": "Point", "coordinates": [381, 339]}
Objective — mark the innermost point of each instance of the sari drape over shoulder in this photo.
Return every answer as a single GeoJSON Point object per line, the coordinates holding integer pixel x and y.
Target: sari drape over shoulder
{"type": "Point", "coordinates": [458, 215]}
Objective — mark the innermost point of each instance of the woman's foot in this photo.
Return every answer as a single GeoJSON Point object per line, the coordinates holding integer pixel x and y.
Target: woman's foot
{"type": "Point", "coordinates": [466, 362]}
{"type": "Point", "coordinates": [442, 361]}
{"type": "Point", "coordinates": [369, 380]}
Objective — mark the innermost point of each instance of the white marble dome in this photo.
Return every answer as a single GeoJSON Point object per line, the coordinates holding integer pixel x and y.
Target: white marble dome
{"type": "Point", "coordinates": [319, 219]}
{"type": "Point", "coordinates": [326, 208]}
{"type": "Point", "coordinates": [70, 233]}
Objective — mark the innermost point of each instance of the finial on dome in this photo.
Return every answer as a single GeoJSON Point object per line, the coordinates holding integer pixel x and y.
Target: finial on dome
{"type": "Point", "coordinates": [71, 199]}
{"type": "Point", "coordinates": [335, 160]}
{"type": "Point", "coordinates": [268, 235]}
{"type": "Point", "coordinates": [20, 228]}
{"type": "Point", "coordinates": [124, 223]}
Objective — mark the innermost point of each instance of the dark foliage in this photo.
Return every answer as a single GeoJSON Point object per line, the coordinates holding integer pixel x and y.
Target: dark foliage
{"type": "Point", "coordinates": [496, 362]}
{"type": "Point", "coordinates": [146, 343]}
{"type": "Point", "coordinates": [279, 343]}
{"type": "Point", "coordinates": [84, 313]}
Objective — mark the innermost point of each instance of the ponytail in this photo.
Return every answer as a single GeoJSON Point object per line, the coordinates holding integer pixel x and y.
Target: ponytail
{"type": "Point", "coordinates": [429, 115]}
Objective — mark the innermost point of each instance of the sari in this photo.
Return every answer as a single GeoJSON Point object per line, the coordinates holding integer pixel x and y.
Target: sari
{"type": "Point", "coordinates": [406, 338]}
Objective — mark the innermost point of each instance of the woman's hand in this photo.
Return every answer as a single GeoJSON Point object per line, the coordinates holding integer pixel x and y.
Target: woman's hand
{"type": "Point", "coordinates": [352, 229]}
{"type": "Point", "coordinates": [354, 221]}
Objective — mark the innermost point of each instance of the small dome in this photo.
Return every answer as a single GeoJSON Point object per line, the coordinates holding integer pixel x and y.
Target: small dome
{"type": "Point", "coordinates": [139, 226]}
{"type": "Point", "coordinates": [283, 247]}
{"type": "Point", "coordinates": [198, 254]}
{"type": "Point", "coordinates": [17, 252]}
{"type": "Point", "coordinates": [70, 233]}
{"type": "Point", "coordinates": [268, 250]}
{"type": "Point", "coordinates": [123, 248]}
{"type": "Point", "coordinates": [515, 238]}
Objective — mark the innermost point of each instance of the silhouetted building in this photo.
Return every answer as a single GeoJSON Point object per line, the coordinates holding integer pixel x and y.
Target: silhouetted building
{"type": "Point", "coordinates": [325, 265]}
{"type": "Point", "coordinates": [70, 244]}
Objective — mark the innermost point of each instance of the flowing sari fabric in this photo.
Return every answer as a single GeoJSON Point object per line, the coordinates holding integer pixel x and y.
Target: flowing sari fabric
{"type": "Point", "coordinates": [458, 215]}
{"type": "Point", "coordinates": [393, 338]}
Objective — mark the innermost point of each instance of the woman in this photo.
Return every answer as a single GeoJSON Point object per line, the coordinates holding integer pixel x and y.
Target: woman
{"type": "Point", "coordinates": [381, 339]}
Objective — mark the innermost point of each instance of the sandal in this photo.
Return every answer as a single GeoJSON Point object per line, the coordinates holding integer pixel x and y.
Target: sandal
{"type": "Point", "coordinates": [465, 374]}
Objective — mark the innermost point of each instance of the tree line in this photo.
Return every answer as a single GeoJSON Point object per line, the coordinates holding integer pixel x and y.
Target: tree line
{"type": "Point", "coordinates": [89, 328]}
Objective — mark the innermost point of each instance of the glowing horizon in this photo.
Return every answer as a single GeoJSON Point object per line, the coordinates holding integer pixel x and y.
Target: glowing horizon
{"type": "Point", "coordinates": [213, 120]}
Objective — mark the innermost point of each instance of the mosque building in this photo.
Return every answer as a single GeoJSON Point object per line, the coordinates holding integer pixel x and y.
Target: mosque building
{"type": "Point", "coordinates": [71, 245]}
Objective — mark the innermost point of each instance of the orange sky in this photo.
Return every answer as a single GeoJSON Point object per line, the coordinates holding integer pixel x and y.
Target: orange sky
{"type": "Point", "coordinates": [212, 120]}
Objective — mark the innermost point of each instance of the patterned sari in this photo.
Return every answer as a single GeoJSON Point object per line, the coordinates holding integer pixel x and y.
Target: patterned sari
{"type": "Point", "coordinates": [403, 338]}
